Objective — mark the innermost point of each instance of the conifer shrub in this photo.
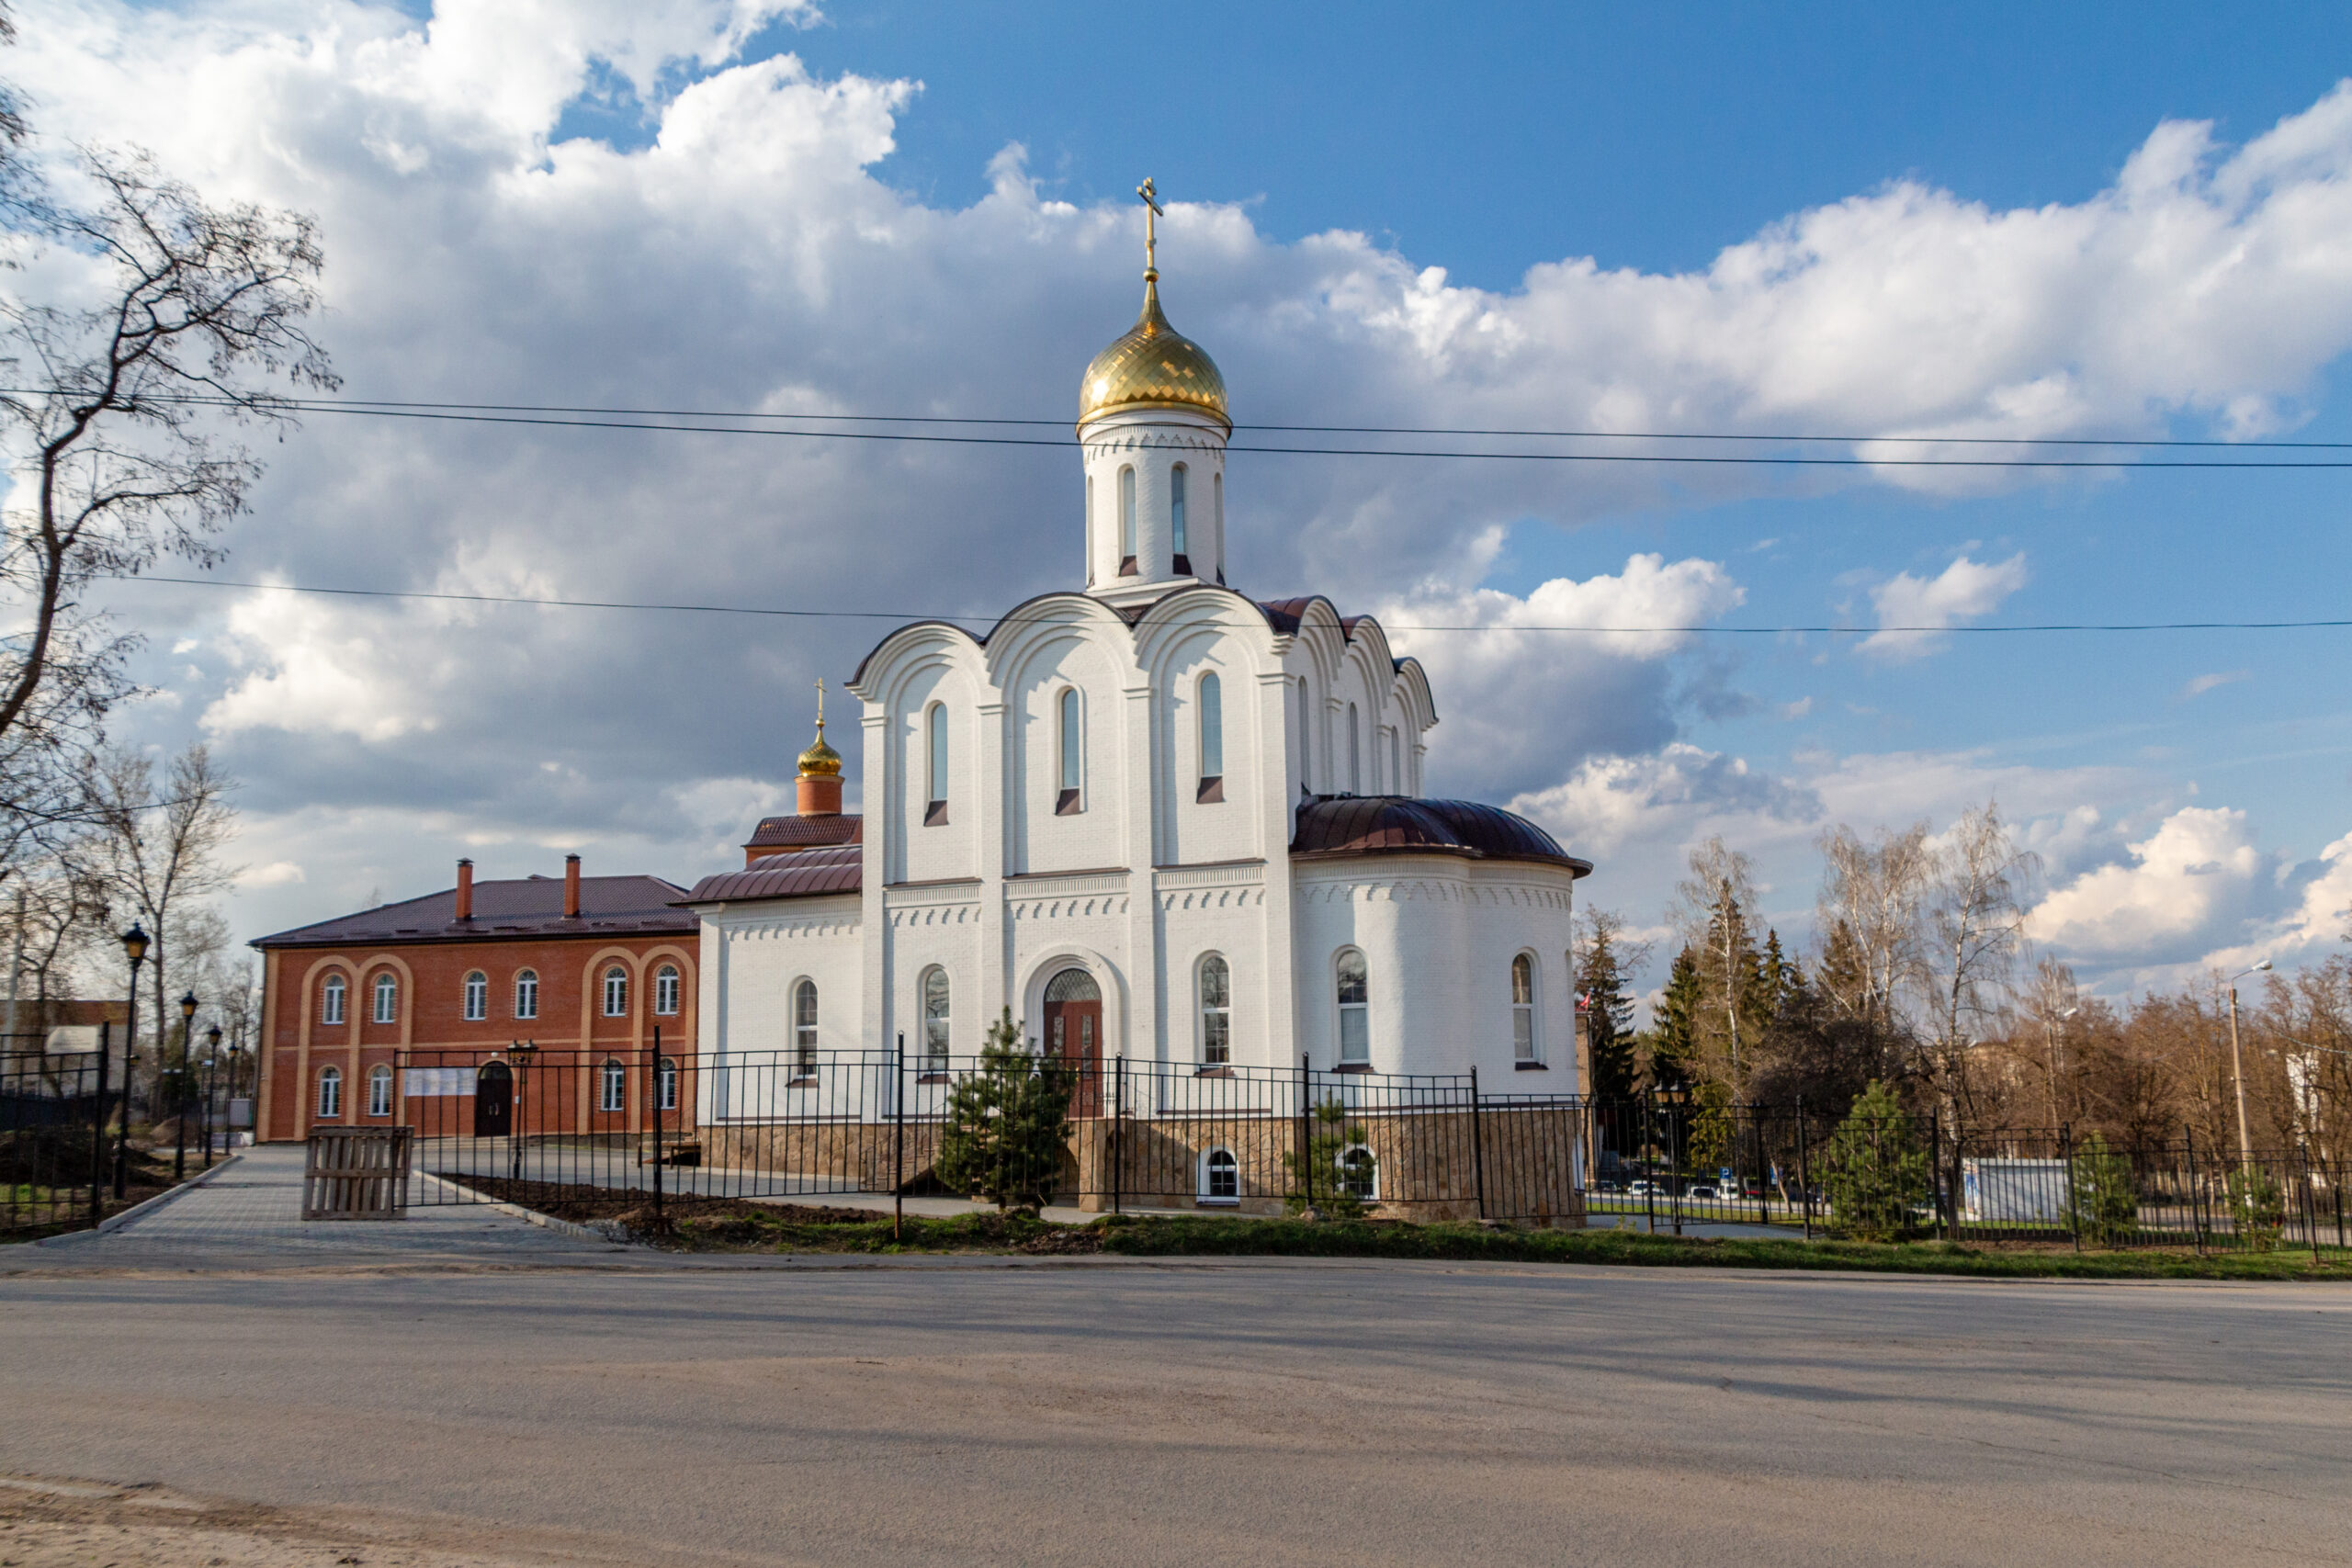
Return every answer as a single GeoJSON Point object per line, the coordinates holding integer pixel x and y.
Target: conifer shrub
{"type": "Point", "coordinates": [1873, 1171]}
{"type": "Point", "coordinates": [2257, 1208]}
{"type": "Point", "coordinates": [2102, 1200]}
{"type": "Point", "coordinates": [1007, 1131]}
{"type": "Point", "coordinates": [1338, 1167]}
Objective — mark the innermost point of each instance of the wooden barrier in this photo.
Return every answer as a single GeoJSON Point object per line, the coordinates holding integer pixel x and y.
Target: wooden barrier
{"type": "Point", "coordinates": [357, 1173]}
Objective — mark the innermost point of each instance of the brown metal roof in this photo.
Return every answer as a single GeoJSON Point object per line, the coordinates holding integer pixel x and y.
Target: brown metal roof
{"type": "Point", "coordinates": [532, 907]}
{"type": "Point", "coordinates": [803, 876]}
{"type": "Point", "coordinates": [800, 832]}
{"type": "Point", "coordinates": [1395, 824]}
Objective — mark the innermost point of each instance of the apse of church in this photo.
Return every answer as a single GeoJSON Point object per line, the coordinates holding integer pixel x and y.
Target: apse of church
{"type": "Point", "coordinates": [1149, 815]}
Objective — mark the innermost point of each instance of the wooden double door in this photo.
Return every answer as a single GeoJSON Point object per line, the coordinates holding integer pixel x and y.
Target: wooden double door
{"type": "Point", "coordinates": [1074, 1032]}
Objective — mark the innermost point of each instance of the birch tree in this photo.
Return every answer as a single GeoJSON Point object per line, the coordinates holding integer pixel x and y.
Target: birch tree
{"type": "Point", "coordinates": [1976, 910]}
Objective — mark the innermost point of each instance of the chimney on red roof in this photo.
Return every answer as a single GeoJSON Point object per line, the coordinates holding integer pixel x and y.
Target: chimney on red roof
{"type": "Point", "coordinates": [571, 887]}
{"type": "Point", "coordinates": [465, 890]}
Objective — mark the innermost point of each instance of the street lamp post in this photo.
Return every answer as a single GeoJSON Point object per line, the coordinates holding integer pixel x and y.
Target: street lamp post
{"type": "Point", "coordinates": [2238, 1065]}
{"type": "Point", "coordinates": [2051, 1039]}
{"type": "Point", "coordinates": [134, 947]}
{"type": "Point", "coordinates": [179, 1089]}
{"type": "Point", "coordinates": [211, 1081]}
{"type": "Point", "coordinates": [522, 1052]}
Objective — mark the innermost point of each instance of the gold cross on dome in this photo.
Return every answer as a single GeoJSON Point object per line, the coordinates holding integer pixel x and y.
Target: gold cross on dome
{"type": "Point", "coordinates": [820, 708]}
{"type": "Point", "coordinates": [1152, 211]}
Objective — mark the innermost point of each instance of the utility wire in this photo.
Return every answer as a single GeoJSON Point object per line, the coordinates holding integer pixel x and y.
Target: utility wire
{"type": "Point", "coordinates": [555, 416]}
{"type": "Point", "coordinates": [908, 616]}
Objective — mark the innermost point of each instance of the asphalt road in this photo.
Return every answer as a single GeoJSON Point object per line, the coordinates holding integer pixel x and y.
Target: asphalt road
{"type": "Point", "coordinates": [1214, 1414]}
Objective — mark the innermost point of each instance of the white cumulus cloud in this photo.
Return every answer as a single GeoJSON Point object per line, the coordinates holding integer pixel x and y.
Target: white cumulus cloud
{"type": "Point", "coordinates": [1911, 609]}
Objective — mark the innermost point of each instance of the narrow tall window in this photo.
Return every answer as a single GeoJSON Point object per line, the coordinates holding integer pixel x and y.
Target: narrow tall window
{"type": "Point", "coordinates": [1356, 1006]}
{"type": "Point", "coordinates": [1091, 548]}
{"type": "Point", "coordinates": [617, 992]}
{"type": "Point", "coordinates": [612, 1088]}
{"type": "Point", "coordinates": [1176, 516]}
{"type": "Point", "coordinates": [1355, 757]}
{"type": "Point", "coordinates": [668, 1078]}
{"type": "Point", "coordinates": [330, 1000]}
{"type": "Point", "coordinates": [804, 1029]}
{"type": "Point", "coordinates": [388, 999]}
{"type": "Point", "coordinates": [1212, 785]}
{"type": "Point", "coordinates": [1216, 1012]}
{"type": "Point", "coordinates": [1306, 736]}
{"type": "Point", "coordinates": [1396, 765]}
{"type": "Point", "coordinates": [1522, 1008]}
{"type": "Point", "coordinates": [934, 1019]}
{"type": "Point", "coordinates": [1216, 487]}
{"type": "Point", "coordinates": [526, 994]}
{"type": "Point", "coordinates": [936, 744]}
{"type": "Point", "coordinates": [331, 1091]}
{"type": "Point", "coordinates": [1071, 742]}
{"type": "Point", "coordinates": [477, 996]}
{"type": "Point", "coordinates": [1126, 521]}
{"type": "Point", "coordinates": [380, 1091]}
{"type": "Point", "coordinates": [665, 990]}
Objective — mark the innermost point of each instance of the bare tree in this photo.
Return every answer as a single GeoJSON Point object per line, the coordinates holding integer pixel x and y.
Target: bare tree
{"type": "Point", "coordinates": [116, 432]}
{"type": "Point", "coordinates": [1873, 898]}
{"type": "Point", "coordinates": [1975, 926]}
{"type": "Point", "coordinates": [1710, 908]}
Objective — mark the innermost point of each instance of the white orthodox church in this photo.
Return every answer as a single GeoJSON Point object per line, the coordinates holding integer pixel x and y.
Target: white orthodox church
{"type": "Point", "coordinates": [1151, 815]}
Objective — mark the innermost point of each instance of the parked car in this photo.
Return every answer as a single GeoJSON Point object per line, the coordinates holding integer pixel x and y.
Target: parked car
{"type": "Point", "coordinates": [1751, 1188]}
{"type": "Point", "coordinates": [1645, 1188]}
{"type": "Point", "coordinates": [1706, 1191]}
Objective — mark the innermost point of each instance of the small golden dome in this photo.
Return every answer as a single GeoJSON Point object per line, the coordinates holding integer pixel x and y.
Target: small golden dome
{"type": "Point", "coordinates": [1153, 366]}
{"type": "Point", "coordinates": [820, 761]}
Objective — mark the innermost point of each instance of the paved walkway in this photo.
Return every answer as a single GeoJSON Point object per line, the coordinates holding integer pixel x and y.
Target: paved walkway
{"type": "Point", "coordinates": [250, 1215]}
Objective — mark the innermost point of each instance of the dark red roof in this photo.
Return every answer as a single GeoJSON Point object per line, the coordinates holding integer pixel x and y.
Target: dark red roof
{"type": "Point", "coordinates": [533, 906]}
{"type": "Point", "coordinates": [1395, 824]}
{"type": "Point", "coordinates": [802, 875]}
{"type": "Point", "coordinates": [799, 832]}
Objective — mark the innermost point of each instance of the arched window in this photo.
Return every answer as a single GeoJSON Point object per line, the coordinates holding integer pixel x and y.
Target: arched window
{"type": "Point", "coordinates": [1216, 1012]}
{"type": "Point", "coordinates": [617, 992]}
{"type": "Point", "coordinates": [380, 1091]}
{"type": "Point", "coordinates": [527, 993]}
{"type": "Point", "coordinates": [1359, 1174]}
{"type": "Point", "coordinates": [388, 998]}
{"type": "Point", "coordinates": [1396, 765]}
{"type": "Point", "coordinates": [1216, 487]}
{"type": "Point", "coordinates": [330, 1000]}
{"type": "Point", "coordinates": [1355, 1007]}
{"type": "Point", "coordinates": [612, 1087]}
{"type": "Point", "coordinates": [1522, 1008]}
{"type": "Point", "coordinates": [477, 996]}
{"type": "Point", "coordinates": [1356, 755]}
{"type": "Point", "coordinates": [804, 1029]}
{"type": "Point", "coordinates": [935, 747]}
{"type": "Point", "coordinates": [1090, 530]}
{"type": "Point", "coordinates": [331, 1091]}
{"type": "Point", "coordinates": [1176, 516]}
{"type": "Point", "coordinates": [1071, 742]}
{"type": "Point", "coordinates": [1126, 521]}
{"type": "Point", "coordinates": [1212, 706]}
{"type": "Point", "coordinates": [1220, 1177]}
{"type": "Point", "coordinates": [935, 1020]}
{"type": "Point", "coordinates": [668, 1078]}
{"type": "Point", "coordinates": [1305, 739]}
{"type": "Point", "coordinates": [665, 990]}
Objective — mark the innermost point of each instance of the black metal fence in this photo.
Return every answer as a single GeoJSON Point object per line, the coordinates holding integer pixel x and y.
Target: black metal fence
{"type": "Point", "coordinates": [53, 1151]}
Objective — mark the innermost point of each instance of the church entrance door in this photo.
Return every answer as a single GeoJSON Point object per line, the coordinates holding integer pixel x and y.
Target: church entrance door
{"type": "Point", "coordinates": [494, 1101]}
{"type": "Point", "coordinates": [1074, 1032]}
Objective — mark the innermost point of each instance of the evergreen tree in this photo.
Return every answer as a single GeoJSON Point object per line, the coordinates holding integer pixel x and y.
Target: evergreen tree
{"type": "Point", "coordinates": [1007, 1131]}
{"type": "Point", "coordinates": [1672, 1039]}
{"type": "Point", "coordinates": [1873, 1170]}
{"type": "Point", "coordinates": [1607, 1014]}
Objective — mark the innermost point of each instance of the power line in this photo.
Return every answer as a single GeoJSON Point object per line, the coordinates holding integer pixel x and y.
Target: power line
{"type": "Point", "coordinates": [909, 616]}
{"type": "Point", "coordinates": [559, 417]}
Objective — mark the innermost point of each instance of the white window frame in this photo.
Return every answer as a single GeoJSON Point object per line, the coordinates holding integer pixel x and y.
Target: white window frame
{"type": "Point", "coordinates": [1526, 1042]}
{"type": "Point", "coordinates": [1343, 1010]}
{"type": "Point", "coordinates": [1339, 1165]}
{"type": "Point", "coordinates": [666, 982]}
{"type": "Point", "coordinates": [527, 993]}
{"type": "Point", "coordinates": [1216, 1018]}
{"type": "Point", "coordinates": [666, 1084]}
{"type": "Point", "coordinates": [937, 1028]}
{"type": "Point", "coordinates": [330, 1093]}
{"type": "Point", "coordinates": [1209, 1195]}
{"type": "Point", "coordinates": [476, 994]}
{"type": "Point", "coordinates": [385, 992]}
{"type": "Point", "coordinates": [1176, 520]}
{"type": "Point", "coordinates": [804, 1029]}
{"type": "Point", "coordinates": [331, 999]}
{"type": "Point", "coordinates": [612, 1088]}
{"type": "Point", "coordinates": [615, 990]}
{"type": "Point", "coordinates": [379, 1090]}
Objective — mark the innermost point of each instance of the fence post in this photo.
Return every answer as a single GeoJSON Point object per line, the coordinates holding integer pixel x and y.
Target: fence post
{"type": "Point", "coordinates": [1805, 1172]}
{"type": "Point", "coordinates": [98, 1126]}
{"type": "Point", "coordinates": [1649, 1147]}
{"type": "Point", "coordinates": [1936, 1170]}
{"type": "Point", "coordinates": [2310, 1203]}
{"type": "Point", "coordinates": [1477, 1148]}
{"type": "Point", "coordinates": [2074, 1209]}
{"type": "Point", "coordinates": [2195, 1191]}
{"type": "Point", "coordinates": [898, 1137]}
{"type": "Point", "coordinates": [1118, 1113]}
{"type": "Point", "coordinates": [1306, 1128]}
{"type": "Point", "coordinates": [656, 1098]}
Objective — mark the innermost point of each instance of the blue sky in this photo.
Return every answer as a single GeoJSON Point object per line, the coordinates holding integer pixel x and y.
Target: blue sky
{"type": "Point", "coordinates": [1702, 217]}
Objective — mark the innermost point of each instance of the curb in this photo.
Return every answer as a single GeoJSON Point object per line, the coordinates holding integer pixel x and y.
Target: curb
{"type": "Point", "coordinates": [138, 1210]}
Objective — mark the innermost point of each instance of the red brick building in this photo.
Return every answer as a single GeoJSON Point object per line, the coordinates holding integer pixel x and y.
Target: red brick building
{"type": "Point", "coordinates": [576, 965]}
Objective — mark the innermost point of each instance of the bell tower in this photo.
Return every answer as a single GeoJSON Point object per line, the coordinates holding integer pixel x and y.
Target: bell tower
{"type": "Point", "coordinates": [1152, 425]}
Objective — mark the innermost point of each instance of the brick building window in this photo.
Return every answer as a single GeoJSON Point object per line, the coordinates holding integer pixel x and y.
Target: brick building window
{"type": "Point", "coordinates": [477, 997]}
{"type": "Point", "coordinates": [668, 1085]}
{"type": "Point", "coordinates": [330, 1000]}
{"type": "Point", "coordinates": [613, 1087]}
{"type": "Point", "coordinates": [380, 1091]}
{"type": "Point", "coordinates": [331, 1091]}
{"type": "Point", "coordinates": [616, 992]}
{"type": "Point", "coordinates": [388, 999]}
{"type": "Point", "coordinates": [526, 994]}
{"type": "Point", "coordinates": [665, 990]}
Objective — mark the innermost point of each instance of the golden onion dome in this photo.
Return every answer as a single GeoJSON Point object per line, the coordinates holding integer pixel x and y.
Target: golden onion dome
{"type": "Point", "coordinates": [1152, 366]}
{"type": "Point", "coordinates": [820, 761]}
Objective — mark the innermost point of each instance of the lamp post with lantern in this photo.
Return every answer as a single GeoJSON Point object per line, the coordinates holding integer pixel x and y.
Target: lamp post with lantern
{"type": "Point", "coordinates": [135, 948]}
{"type": "Point", "coordinates": [179, 1088]}
{"type": "Point", "coordinates": [211, 1081]}
{"type": "Point", "coordinates": [2237, 1065]}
